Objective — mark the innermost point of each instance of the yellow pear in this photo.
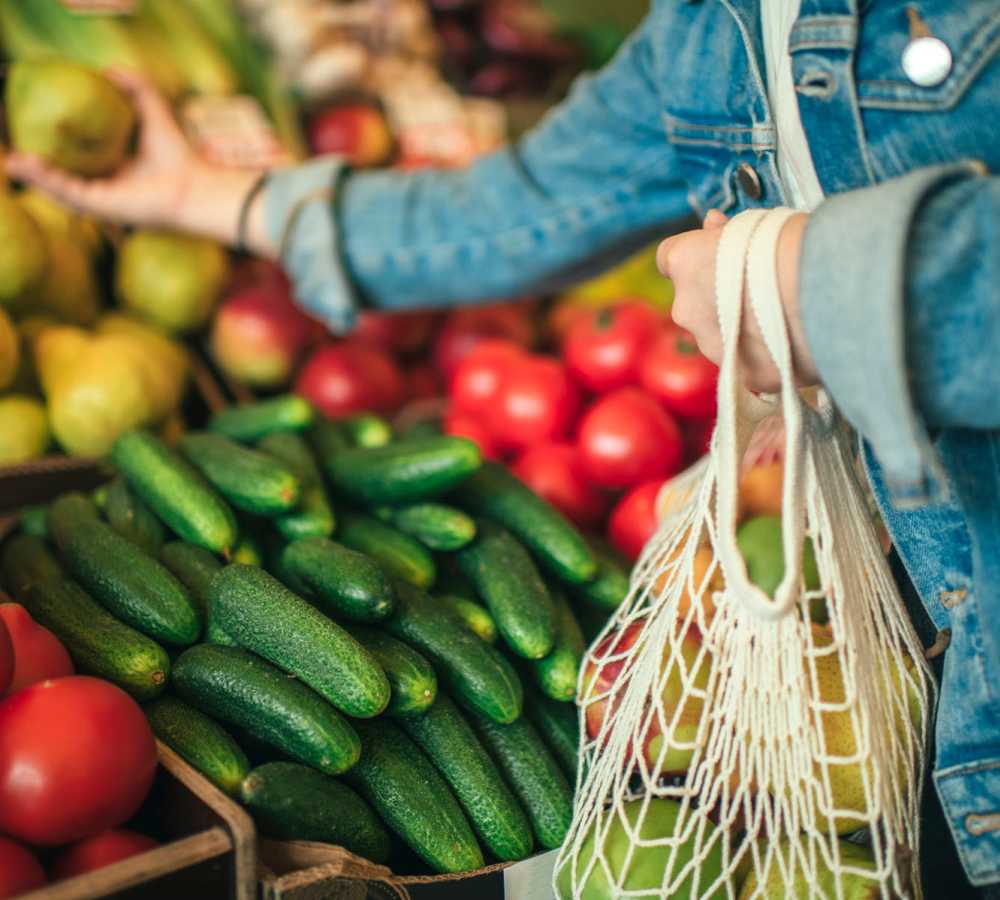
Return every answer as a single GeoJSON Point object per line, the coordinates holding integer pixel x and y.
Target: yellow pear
{"type": "Point", "coordinates": [796, 883]}
{"type": "Point", "coordinates": [160, 384]}
{"type": "Point", "coordinates": [54, 217]}
{"type": "Point", "coordinates": [173, 356]}
{"type": "Point", "coordinates": [68, 289]}
{"type": "Point", "coordinates": [24, 429]}
{"type": "Point", "coordinates": [10, 350]}
{"type": "Point", "coordinates": [22, 251]}
{"type": "Point", "coordinates": [58, 350]}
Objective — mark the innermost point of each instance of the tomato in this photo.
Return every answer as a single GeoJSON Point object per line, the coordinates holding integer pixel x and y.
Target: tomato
{"type": "Point", "coordinates": [603, 350]}
{"type": "Point", "coordinates": [101, 850]}
{"type": "Point", "coordinates": [463, 425]}
{"type": "Point", "coordinates": [20, 872]}
{"type": "Point", "coordinates": [633, 521]}
{"type": "Point", "coordinates": [627, 437]}
{"type": "Point", "coordinates": [674, 371]}
{"type": "Point", "coordinates": [469, 326]}
{"type": "Point", "coordinates": [698, 438]}
{"type": "Point", "coordinates": [537, 401]}
{"type": "Point", "coordinates": [553, 471]}
{"type": "Point", "coordinates": [76, 757]}
{"type": "Point", "coordinates": [477, 379]}
{"type": "Point", "coordinates": [351, 376]}
{"type": "Point", "coordinates": [423, 382]}
{"type": "Point", "coordinates": [405, 333]}
{"type": "Point", "coordinates": [37, 652]}
{"type": "Point", "coordinates": [6, 658]}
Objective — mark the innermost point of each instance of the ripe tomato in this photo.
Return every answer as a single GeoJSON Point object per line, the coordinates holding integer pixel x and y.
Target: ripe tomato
{"type": "Point", "coordinates": [351, 376]}
{"type": "Point", "coordinates": [6, 658]}
{"type": "Point", "coordinates": [469, 326]}
{"type": "Point", "coordinates": [674, 371]}
{"type": "Point", "coordinates": [627, 437]}
{"type": "Point", "coordinates": [603, 349]}
{"type": "Point", "coordinates": [477, 379]}
{"type": "Point", "coordinates": [405, 333]}
{"type": "Point", "coordinates": [101, 850]}
{"type": "Point", "coordinates": [633, 521]}
{"type": "Point", "coordinates": [20, 872]}
{"type": "Point", "coordinates": [553, 471]}
{"type": "Point", "coordinates": [76, 757]}
{"type": "Point", "coordinates": [462, 424]}
{"type": "Point", "coordinates": [537, 401]}
{"type": "Point", "coordinates": [37, 652]}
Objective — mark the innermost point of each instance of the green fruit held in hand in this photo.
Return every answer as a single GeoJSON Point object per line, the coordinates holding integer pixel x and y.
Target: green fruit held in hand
{"type": "Point", "coordinates": [22, 251]}
{"type": "Point", "coordinates": [854, 886]}
{"type": "Point", "coordinates": [69, 115]}
{"type": "Point", "coordinates": [24, 429]}
{"type": "Point", "coordinates": [171, 280]}
{"type": "Point", "coordinates": [759, 540]}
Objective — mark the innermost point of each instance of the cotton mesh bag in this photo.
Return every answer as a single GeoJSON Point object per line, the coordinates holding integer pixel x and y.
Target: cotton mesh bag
{"type": "Point", "coordinates": [732, 739]}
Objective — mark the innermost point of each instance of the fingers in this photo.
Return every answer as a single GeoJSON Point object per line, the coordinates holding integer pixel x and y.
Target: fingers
{"type": "Point", "coordinates": [68, 189]}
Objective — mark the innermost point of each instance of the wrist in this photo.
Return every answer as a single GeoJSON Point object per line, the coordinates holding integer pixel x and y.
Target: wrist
{"type": "Point", "coordinates": [211, 200]}
{"type": "Point", "coordinates": [789, 252]}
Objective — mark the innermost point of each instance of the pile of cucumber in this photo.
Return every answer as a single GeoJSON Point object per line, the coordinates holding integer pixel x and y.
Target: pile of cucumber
{"type": "Point", "coordinates": [390, 629]}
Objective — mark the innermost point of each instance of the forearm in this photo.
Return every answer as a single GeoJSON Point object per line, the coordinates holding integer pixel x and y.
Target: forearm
{"type": "Point", "coordinates": [210, 202]}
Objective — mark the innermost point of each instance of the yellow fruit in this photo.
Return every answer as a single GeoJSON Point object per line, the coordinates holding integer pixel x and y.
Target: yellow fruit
{"type": "Point", "coordinates": [10, 350]}
{"type": "Point", "coordinates": [22, 251]}
{"type": "Point", "coordinates": [24, 429]}
{"type": "Point", "coordinates": [761, 490]}
{"type": "Point", "coordinates": [68, 289]}
{"type": "Point", "coordinates": [58, 350]}
{"type": "Point", "coordinates": [799, 883]}
{"type": "Point", "coordinates": [54, 217]}
{"type": "Point", "coordinates": [173, 356]}
{"type": "Point", "coordinates": [162, 387]}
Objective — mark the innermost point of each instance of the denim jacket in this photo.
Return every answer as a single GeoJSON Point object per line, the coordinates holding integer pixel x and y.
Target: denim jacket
{"type": "Point", "coordinates": [900, 269]}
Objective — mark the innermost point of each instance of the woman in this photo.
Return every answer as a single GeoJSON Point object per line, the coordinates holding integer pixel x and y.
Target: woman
{"type": "Point", "coordinates": [878, 118]}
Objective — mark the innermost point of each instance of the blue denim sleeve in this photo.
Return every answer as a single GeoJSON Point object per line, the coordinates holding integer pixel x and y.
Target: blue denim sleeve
{"type": "Point", "coordinates": [899, 295]}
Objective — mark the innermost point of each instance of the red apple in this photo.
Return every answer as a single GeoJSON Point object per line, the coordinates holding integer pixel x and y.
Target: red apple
{"type": "Point", "coordinates": [38, 654]}
{"type": "Point", "coordinates": [358, 131]}
{"type": "Point", "coordinates": [258, 335]}
{"type": "Point", "coordinates": [351, 376]}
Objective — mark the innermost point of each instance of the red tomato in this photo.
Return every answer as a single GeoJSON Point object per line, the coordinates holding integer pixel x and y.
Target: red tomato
{"type": "Point", "coordinates": [423, 382]}
{"type": "Point", "coordinates": [351, 376]}
{"type": "Point", "coordinates": [553, 472]}
{"type": "Point", "coordinates": [626, 437]}
{"type": "Point", "coordinates": [463, 425]}
{"type": "Point", "coordinates": [20, 872]}
{"type": "Point", "coordinates": [406, 333]}
{"type": "Point", "coordinates": [603, 349]}
{"type": "Point", "coordinates": [76, 757]}
{"type": "Point", "coordinates": [6, 658]}
{"type": "Point", "coordinates": [537, 401]}
{"type": "Point", "coordinates": [674, 371]}
{"type": "Point", "coordinates": [477, 378]}
{"type": "Point", "coordinates": [633, 521]}
{"type": "Point", "coordinates": [698, 438]}
{"type": "Point", "coordinates": [467, 327]}
{"type": "Point", "coordinates": [101, 850]}
{"type": "Point", "coordinates": [37, 652]}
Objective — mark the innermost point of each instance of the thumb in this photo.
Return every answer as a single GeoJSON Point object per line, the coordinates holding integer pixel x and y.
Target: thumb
{"type": "Point", "coordinates": [715, 219]}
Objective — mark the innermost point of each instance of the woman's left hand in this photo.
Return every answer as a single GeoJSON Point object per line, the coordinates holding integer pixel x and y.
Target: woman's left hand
{"type": "Point", "coordinates": [689, 260]}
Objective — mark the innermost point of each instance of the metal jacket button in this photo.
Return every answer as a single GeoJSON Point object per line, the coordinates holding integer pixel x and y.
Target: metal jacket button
{"type": "Point", "coordinates": [749, 180]}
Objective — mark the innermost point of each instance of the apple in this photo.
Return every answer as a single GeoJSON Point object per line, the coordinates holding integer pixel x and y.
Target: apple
{"type": "Point", "coordinates": [351, 376]}
{"type": "Point", "coordinates": [357, 131]}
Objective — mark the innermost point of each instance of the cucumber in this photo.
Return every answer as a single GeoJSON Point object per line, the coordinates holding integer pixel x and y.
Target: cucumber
{"type": "Point", "coordinates": [420, 429]}
{"type": "Point", "coordinates": [435, 525]}
{"type": "Point", "coordinates": [205, 744]}
{"type": "Point", "coordinates": [610, 586]}
{"type": "Point", "coordinates": [345, 583]}
{"type": "Point", "coordinates": [33, 520]}
{"type": "Point", "coordinates": [132, 585]}
{"type": "Point", "coordinates": [236, 687]}
{"type": "Point", "coordinates": [451, 744]}
{"type": "Point", "coordinates": [404, 472]}
{"type": "Point", "coordinates": [508, 582]}
{"type": "Point", "coordinates": [313, 517]}
{"type": "Point", "coordinates": [496, 493]}
{"type": "Point", "coordinates": [477, 618]}
{"type": "Point", "coordinates": [216, 634]}
{"type": "Point", "coordinates": [247, 550]}
{"type": "Point", "coordinates": [397, 553]}
{"type": "Point", "coordinates": [395, 777]}
{"type": "Point", "coordinates": [132, 519]}
{"type": "Point", "coordinates": [175, 492]}
{"type": "Point", "coordinates": [366, 430]}
{"type": "Point", "coordinates": [261, 614]}
{"type": "Point", "coordinates": [250, 480]}
{"type": "Point", "coordinates": [411, 677]}
{"type": "Point", "coordinates": [474, 672]}
{"type": "Point", "coordinates": [533, 773]}
{"type": "Point", "coordinates": [97, 642]}
{"type": "Point", "coordinates": [295, 803]}
{"type": "Point", "coordinates": [250, 423]}
{"type": "Point", "coordinates": [559, 726]}
{"type": "Point", "coordinates": [327, 440]}
{"type": "Point", "coordinates": [193, 566]}
{"type": "Point", "coordinates": [557, 673]}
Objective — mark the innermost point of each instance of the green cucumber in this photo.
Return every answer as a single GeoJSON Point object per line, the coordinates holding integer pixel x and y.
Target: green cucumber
{"type": "Point", "coordinates": [132, 585]}
{"type": "Point", "coordinates": [33, 520]}
{"type": "Point", "coordinates": [247, 551]}
{"type": "Point", "coordinates": [132, 519]}
{"type": "Point", "coordinates": [475, 673]}
{"type": "Point", "coordinates": [397, 553]}
{"type": "Point", "coordinates": [366, 430]}
{"type": "Point", "coordinates": [249, 423]}
{"type": "Point", "coordinates": [506, 578]}
{"type": "Point", "coordinates": [420, 429]}
{"type": "Point", "coordinates": [236, 687]}
{"type": "Point", "coordinates": [250, 480]}
{"type": "Point", "coordinates": [327, 440]}
{"type": "Point", "coordinates": [26, 561]}
{"type": "Point", "coordinates": [404, 472]}
{"type": "Point", "coordinates": [193, 566]}
{"type": "Point", "coordinates": [610, 586]}
{"type": "Point", "coordinates": [411, 676]}
{"type": "Point", "coordinates": [436, 526]}
{"type": "Point", "coordinates": [345, 583]}
{"type": "Point", "coordinates": [476, 617]}
{"type": "Point", "coordinates": [533, 773]}
{"type": "Point", "coordinates": [199, 740]}
{"type": "Point", "coordinates": [451, 744]}
{"type": "Point", "coordinates": [175, 492]}
{"type": "Point", "coordinates": [557, 673]}
{"type": "Point", "coordinates": [559, 726]}
{"type": "Point", "coordinates": [496, 493]}
{"type": "Point", "coordinates": [261, 614]}
{"type": "Point", "coordinates": [395, 777]}
{"type": "Point", "coordinates": [295, 803]}
{"type": "Point", "coordinates": [313, 517]}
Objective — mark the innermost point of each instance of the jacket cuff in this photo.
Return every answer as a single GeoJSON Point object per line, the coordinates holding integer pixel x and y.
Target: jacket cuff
{"type": "Point", "coordinates": [300, 220]}
{"type": "Point", "coordinates": [969, 795]}
{"type": "Point", "coordinates": [852, 288]}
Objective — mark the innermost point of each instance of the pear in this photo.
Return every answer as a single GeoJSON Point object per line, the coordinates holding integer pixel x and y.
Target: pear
{"type": "Point", "coordinates": [10, 350]}
{"type": "Point", "coordinates": [24, 429]}
{"type": "Point", "coordinates": [69, 115]}
{"type": "Point", "coordinates": [68, 289]}
{"type": "Point", "coordinates": [54, 217]}
{"type": "Point", "coordinates": [57, 350]}
{"type": "Point", "coordinates": [776, 887]}
{"type": "Point", "coordinates": [169, 355]}
{"type": "Point", "coordinates": [171, 280]}
{"type": "Point", "coordinates": [22, 251]}
{"type": "Point", "coordinates": [162, 387]}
